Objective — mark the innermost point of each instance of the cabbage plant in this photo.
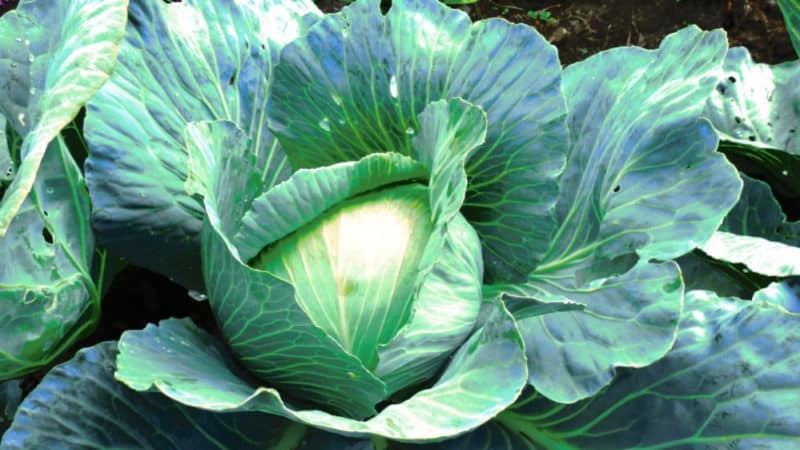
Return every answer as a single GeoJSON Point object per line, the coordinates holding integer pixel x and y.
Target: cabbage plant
{"type": "Point", "coordinates": [414, 231]}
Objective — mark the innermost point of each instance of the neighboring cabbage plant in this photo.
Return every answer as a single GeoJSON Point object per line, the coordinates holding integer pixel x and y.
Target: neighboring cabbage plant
{"type": "Point", "coordinates": [54, 56]}
{"type": "Point", "coordinates": [755, 110]}
{"type": "Point", "coordinates": [415, 231]}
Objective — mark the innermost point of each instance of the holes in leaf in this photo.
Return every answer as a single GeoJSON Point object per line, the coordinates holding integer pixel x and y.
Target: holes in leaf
{"type": "Point", "coordinates": [616, 188]}
{"type": "Point", "coordinates": [47, 236]}
{"type": "Point", "coordinates": [721, 88]}
{"type": "Point", "coordinates": [732, 79]}
{"type": "Point", "coordinates": [751, 138]}
{"type": "Point", "coordinates": [232, 79]}
{"type": "Point", "coordinates": [738, 119]}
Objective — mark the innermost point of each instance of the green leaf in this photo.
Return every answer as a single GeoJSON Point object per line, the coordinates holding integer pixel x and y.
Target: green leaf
{"type": "Point", "coordinates": [759, 255]}
{"type": "Point", "coordinates": [365, 77]}
{"type": "Point", "coordinates": [301, 199]}
{"type": "Point", "coordinates": [279, 211]}
{"type": "Point", "coordinates": [48, 297]}
{"type": "Point", "coordinates": [791, 13]}
{"type": "Point", "coordinates": [257, 311]}
{"type": "Point", "coordinates": [55, 56]}
{"type": "Point", "coordinates": [627, 320]}
{"type": "Point", "coordinates": [353, 283]}
{"type": "Point", "coordinates": [642, 184]}
{"type": "Point", "coordinates": [755, 109]}
{"type": "Point", "coordinates": [756, 234]}
{"type": "Point", "coordinates": [79, 405]}
{"type": "Point", "coordinates": [758, 213]}
{"type": "Point", "coordinates": [191, 61]}
{"type": "Point", "coordinates": [785, 294]}
{"type": "Point", "coordinates": [491, 436]}
{"type": "Point", "coordinates": [192, 367]}
{"type": "Point", "coordinates": [642, 174]}
{"type": "Point", "coordinates": [447, 300]}
{"type": "Point", "coordinates": [729, 382]}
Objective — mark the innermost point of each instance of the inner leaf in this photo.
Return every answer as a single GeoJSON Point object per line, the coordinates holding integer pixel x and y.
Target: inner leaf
{"type": "Point", "coordinates": [354, 268]}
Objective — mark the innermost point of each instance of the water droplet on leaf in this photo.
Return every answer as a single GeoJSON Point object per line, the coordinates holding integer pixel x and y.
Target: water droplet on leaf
{"type": "Point", "coordinates": [197, 295]}
{"type": "Point", "coordinates": [393, 86]}
{"type": "Point", "coordinates": [325, 124]}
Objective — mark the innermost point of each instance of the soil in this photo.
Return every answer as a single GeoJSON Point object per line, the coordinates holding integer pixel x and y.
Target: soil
{"type": "Point", "coordinates": [578, 28]}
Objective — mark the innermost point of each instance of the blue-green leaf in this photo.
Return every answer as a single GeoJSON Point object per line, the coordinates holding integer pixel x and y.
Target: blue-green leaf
{"type": "Point", "coordinates": [642, 175]}
{"type": "Point", "coordinates": [192, 367]}
{"type": "Point", "coordinates": [755, 109]}
{"type": "Point", "coordinates": [643, 184]}
{"type": "Point", "coordinates": [48, 297]}
{"type": "Point", "coordinates": [357, 82]}
{"type": "Point", "coordinates": [79, 406]}
{"type": "Point", "coordinates": [785, 293]}
{"type": "Point", "coordinates": [757, 254]}
{"type": "Point", "coordinates": [729, 382]}
{"type": "Point", "coordinates": [627, 320]}
{"type": "Point", "coordinates": [180, 62]}
{"type": "Point", "coordinates": [758, 213]}
{"type": "Point", "coordinates": [447, 301]}
{"type": "Point", "coordinates": [756, 234]}
{"type": "Point", "coordinates": [256, 310]}
{"type": "Point", "coordinates": [54, 56]}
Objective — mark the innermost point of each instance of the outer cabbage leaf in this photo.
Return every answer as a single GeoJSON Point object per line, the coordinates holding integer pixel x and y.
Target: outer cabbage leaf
{"type": "Point", "coordinates": [54, 56]}
{"type": "Point", "coordinates": [180, 62]}
{"type": "Point", "coordinates": [756, 111]}
{"type": "Point", "coordinates": [356, 82]}
{"type": "Point", "coordinates": [48, 297]}
{"type": "Point", "coordinates": [756, 234]}
{"type": "Point", "coordinates": [191, 366]}
{"type": "Point", "coordinates": [757, 214]}
{"type": "Point", "coordinates": [627, 320]}
{"type": "Point", "coordinates": [642, 184]}
{"type": "Point", "coordinates": [78, 405]}
{"type": "Point", "coordinates": [785, 293]}
{"type": "Point", "coordinates": [758, 254]}
{"type": "Point", "coordinates": [791, 12]}
{"type": "Point", "coordinates": [729, 382]}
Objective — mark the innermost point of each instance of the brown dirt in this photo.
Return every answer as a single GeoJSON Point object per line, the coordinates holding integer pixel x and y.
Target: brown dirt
{"type": "Point", "coordinates": [580, 28]}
